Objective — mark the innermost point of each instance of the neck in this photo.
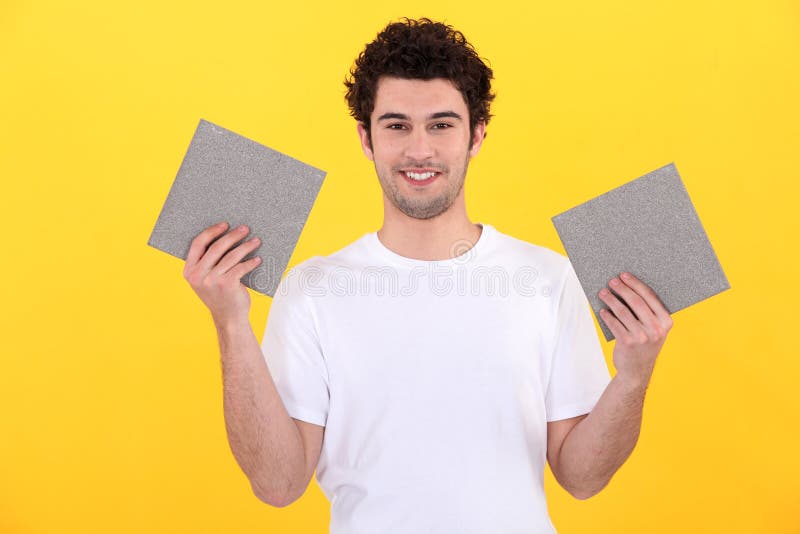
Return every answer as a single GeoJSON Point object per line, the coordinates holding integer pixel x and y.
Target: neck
{"type": "Point", "coordinates": [443, 237]}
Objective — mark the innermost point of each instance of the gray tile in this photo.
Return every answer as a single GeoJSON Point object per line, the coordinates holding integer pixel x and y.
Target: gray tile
{"type": "Point", "coordinates": [648, 227]}
{"type": "Point", "coordinates": [227, 177]}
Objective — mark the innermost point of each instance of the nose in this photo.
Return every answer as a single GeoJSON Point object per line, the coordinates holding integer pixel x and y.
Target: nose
{"type": "Point", "coordinates": [420, 146]}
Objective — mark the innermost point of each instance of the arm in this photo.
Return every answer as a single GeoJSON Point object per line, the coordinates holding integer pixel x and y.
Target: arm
{"type": "Point", "coordinates": [585, 452]}
{"type": "Point", "coordinates": [278, 454]}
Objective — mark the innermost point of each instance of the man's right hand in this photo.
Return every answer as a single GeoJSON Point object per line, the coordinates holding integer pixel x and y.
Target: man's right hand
{"type": "Point", "coordinates": [215, 272]}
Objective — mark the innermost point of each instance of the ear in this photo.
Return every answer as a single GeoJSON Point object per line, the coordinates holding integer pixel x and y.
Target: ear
{"type": "Point", "coordinates": [366, 144]}
{"type": "Point", "coordinates": [477, 138]}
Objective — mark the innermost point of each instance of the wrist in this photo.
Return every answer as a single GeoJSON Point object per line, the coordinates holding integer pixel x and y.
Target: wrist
{"type": "Point", "coordinates": [632, 381]}
{"type": "Point", "coordinates": [231, 325]}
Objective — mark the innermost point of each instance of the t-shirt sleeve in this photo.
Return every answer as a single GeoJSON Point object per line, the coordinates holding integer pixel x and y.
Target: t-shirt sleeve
{"type": "Point", "coordinates": [293, 354]}
{"type": "Point", "coordinates": [578, 371]}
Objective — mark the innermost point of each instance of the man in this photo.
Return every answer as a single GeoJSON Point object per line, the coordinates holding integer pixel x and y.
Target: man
{"type": "Point", "coordinates": [439, 396]}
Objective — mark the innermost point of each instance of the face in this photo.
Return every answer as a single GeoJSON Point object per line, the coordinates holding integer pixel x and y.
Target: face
{"type": "Point", "coordinates": [420, 144]}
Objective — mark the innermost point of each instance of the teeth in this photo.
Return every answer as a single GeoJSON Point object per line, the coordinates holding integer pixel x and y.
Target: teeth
{"type": "Point", "coordinates": [419, 176]}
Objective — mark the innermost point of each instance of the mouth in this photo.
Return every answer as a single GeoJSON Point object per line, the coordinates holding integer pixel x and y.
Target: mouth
{"type": "Point", "coordinates": [420, 177]}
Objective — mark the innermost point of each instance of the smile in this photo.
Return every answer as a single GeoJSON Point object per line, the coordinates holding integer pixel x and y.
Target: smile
{"type": "Point", "coordinates": [420, 178]}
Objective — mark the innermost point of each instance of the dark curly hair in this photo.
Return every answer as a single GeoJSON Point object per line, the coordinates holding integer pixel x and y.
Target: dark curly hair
{"type": "Point", "coordinates": [420, 49]}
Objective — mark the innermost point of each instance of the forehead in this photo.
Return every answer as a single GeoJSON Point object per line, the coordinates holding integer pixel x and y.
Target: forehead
{"type": "Point", "coordinates": [416, 97]}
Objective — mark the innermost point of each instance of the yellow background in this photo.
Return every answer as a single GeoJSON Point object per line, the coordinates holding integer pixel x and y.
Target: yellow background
{"type": "Point", "coordinates": [110, 387]}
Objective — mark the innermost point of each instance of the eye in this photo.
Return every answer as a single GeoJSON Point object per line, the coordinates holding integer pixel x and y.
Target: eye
{"type": "Point", "coordinates": [395, 126]}
{"type": "Point", "coordinates": [442, 126]}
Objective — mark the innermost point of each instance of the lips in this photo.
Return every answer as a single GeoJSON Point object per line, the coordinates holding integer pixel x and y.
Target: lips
{"type": "Point", "coordinates": [419, 177]}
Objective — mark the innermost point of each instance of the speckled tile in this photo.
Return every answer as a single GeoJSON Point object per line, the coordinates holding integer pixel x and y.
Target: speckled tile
{"type": "Point", "coordinates": [227, 177]}
{"type": "Point", "coordinates": [648, 227]}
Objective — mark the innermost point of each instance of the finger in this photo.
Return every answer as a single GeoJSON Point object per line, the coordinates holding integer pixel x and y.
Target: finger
{"type": "Point", "coordinates": [201, 241]}
{"type": "Point", "coordinates": [613, 323]}
{"type": "Point", "coordinates": [235, 256]}
{"type": "Point", "coordinates": [220, 247]}
{"type": "Point", "coordinates": [634, 301]}
{"type": "Point", "coordinates": [244, 267]}
{"type": "Point", "coordinates": [621, 311]}
{"type": "Point", "coordinates": [649, 296]}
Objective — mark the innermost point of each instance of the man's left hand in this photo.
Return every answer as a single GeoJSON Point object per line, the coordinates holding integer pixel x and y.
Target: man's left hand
{"type": "Point", "coordinates": [640, 336]}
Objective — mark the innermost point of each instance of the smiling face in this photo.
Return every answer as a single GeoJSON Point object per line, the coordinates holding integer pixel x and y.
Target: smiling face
{"type": "Point", "coordinates": [420, 144]}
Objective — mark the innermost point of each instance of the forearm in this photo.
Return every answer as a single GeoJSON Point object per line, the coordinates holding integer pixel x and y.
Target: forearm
{"type": "Point", "coordinates": [265, 441]}
{"type": "Point", "coordinates": [597, 446]}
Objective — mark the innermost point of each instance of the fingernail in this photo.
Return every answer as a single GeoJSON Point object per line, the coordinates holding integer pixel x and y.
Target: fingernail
{"type": "Point", "coordinates": [626, 276]}
{"type": "Point", "coordinates": [614, 282]}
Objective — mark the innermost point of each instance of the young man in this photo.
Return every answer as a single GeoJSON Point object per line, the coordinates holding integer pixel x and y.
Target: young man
{"type": "Point", "coordinates": [442, 361]}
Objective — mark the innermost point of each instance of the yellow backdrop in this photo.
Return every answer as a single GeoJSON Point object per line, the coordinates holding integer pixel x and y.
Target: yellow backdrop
{"type": "Point", "coordinates": [111, 385]}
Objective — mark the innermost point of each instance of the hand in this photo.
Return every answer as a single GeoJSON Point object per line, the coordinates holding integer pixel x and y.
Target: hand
{"type": "Point", "coordinates": [215, 274]}
{"type": "Point", "coordinates": [640, 337]}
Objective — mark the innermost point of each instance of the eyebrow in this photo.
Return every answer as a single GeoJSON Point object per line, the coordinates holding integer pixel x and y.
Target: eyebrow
{"type": "Point", "coordinates": [404, 117]}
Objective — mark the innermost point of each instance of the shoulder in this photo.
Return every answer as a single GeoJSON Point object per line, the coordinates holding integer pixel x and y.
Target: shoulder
{"type": "Point", "coordinates": [543, 261]}
{"type": "Point", "coordinates": [352, 256]}
{"type": "Point", "coordinates": [312, 270]}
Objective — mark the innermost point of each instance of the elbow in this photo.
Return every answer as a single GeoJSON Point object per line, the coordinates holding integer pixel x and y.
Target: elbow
{"type": "Point", "coordinates": [580, 489]}
{"type": "Point", "coordinates": [272, 498]}
{"type": "Point", "coordinates": [277, 489]}
{"type": "Point", "coordinates": [585, 492]}
{"type": "Point", "coordinates": [583, 495]}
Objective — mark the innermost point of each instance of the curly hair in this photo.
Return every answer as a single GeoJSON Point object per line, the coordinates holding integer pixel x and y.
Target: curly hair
{"type": "Point", "coordinates": [420, 49]}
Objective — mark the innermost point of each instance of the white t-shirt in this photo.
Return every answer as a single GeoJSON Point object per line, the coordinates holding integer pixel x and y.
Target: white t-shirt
{"type": "Point", "coordinates": [435, 380]}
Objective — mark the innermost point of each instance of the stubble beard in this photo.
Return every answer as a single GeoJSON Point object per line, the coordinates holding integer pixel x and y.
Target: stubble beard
{"type": "Point", "coordinates": [428, 207]}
